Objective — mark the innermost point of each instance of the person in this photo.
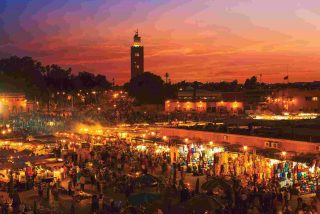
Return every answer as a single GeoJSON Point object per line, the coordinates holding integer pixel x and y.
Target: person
{"type": "Point", "coordinates": [2, 202]}
{"type": "Point", "coordinates": [127, 191]}
{"type": "Point", "coordinates": [98, 185]}
{"type": "Point", "coordinates": [197, 190]}
{"type": "Point", "coordinates": [184, 195]}
{"type": "Point", "coordinates": [5, 209]}
{"type": "Point", "coordinates": [94, 204]}
{"type": "Point", "coordinates": [243, 197]}
{"type": "Point", "coordinates": [69, 188]}
{"type": "Point", "coordinates": [82, 182]}
{"type": "Point", "coordinates": [93, 180]}
{"type": "Point", "coordinates": [164, 168]}
{"type": "Point", "coordinates": [73, 210]}
{"type": "Point", "coordinates": [40, 190]}
{"type": "Point", "coordinates": [112, 205]}
{"type": "Point", "coordinates": [35, 207]}
{"type": "Point", "coordinates": [159, 211]}
{"type": "Point", "coordinates": [16, 202]}
{"type": "Point", "coordinates": [22, 207]}
{"type": "Point", "coordinates": [74, 180]}
{"type": "Point", "coordinates": [299, 204]}
{"type": "Point", "coordinates": [287, 209]}
{"type": "Point", "coordinates": [316, 201]}
{"type": "Point", "coordinates": [181, 184]}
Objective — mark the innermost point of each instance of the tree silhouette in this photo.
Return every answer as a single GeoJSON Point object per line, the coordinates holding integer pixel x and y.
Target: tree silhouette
{"type": "Point", "coordinates": [37, 81]}
{"type": "Point", "coordinates": [251, 83]}
{"type": "Point", "coordinates": [146, 88]}
{"type": "Point", "coordinates": [22, 74]}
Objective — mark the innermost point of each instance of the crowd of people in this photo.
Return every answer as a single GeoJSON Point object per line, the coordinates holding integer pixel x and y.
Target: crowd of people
{"type": "Point", "coordinates": [117, 167]}
{"type": "Point", "coordinates": [115, 172]}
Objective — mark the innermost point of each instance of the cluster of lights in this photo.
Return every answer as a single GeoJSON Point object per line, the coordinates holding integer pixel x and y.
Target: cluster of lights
{"type": "Point", "coordinates": [286, 116]}
{"type": "Point", "coordinates": [279, 99]}
{"type": "Point", "coordinates": [91, 131]}
{"type": "Point", "coordinates": [200, 105]}
{"type": "Point", "coordinates": [6, 129]}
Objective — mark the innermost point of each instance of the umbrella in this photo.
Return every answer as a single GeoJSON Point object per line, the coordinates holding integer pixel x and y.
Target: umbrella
{"type": "Point", "coordinates": [222, 183]}
{"type": "Point", "coordinates": [305, 158]}
{"type": "Point", "coordinates": [142, 198]}
{"type": "Point", "coordinates": [234, 147]}
{"type": "Point", "coordinates": [148, 180]}
{"type": "Point", "coordinates": [268, 152]}
{"type": "Point", "coordinates": [26, 152]}
{"type": "Point", "coordinates": [216, 182]}
{"type": "Point", "coordinates": [202, 203]}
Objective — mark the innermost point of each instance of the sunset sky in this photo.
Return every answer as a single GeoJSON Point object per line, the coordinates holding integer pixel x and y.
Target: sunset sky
{"type": "Point", "coordinates": [204, 40]}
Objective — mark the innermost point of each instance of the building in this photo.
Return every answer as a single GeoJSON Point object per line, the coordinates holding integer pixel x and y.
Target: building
{"type": "Point", "coordinates": [137, 56]}
{"type": "Point", "coordinates": [190, 93]}
{"type": "Point", "coordinates": [254, 97]}
{"type": "Point", "coordinates": [294, 100]}
{"type": "Point", "coordinates": [13, 103]}
{"type": "Point", "coordinates": [185, 106]}
{"type": "Point", "coordinates": [203, 101]}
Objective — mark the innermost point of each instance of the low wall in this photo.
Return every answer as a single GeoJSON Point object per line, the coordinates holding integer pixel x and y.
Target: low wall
{"type": "Point", "coordinates": [260, 142]}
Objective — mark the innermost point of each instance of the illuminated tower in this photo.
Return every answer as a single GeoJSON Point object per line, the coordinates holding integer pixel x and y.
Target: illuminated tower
{"type": "Point", "coordinates": [137, 66]}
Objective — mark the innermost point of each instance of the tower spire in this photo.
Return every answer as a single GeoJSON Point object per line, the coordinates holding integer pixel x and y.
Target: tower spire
{"type": "Point", "coordinates": [136, 39]}
{"type": "Point", "coordinates": [137, 56]}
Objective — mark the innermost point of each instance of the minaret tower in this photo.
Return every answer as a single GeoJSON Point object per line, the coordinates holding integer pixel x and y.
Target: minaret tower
{"type": "Point", "coordinates": [137, 65]}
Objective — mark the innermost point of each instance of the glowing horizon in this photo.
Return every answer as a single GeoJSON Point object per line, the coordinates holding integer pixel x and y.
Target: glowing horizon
{"type": "Point", "coordinates": [201, 40]}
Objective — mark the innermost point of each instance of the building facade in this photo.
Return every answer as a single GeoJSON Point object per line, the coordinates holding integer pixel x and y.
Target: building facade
{"type": "Point", "coordinates": [294, 101]}
{"type": "Point", "coordinates": [202, 101]}
{"type": "Point", "coordinates": [14, 103]}
{"type": "Point", "coordinates": [217, 107]}
{"type": "Point", "coordinates": [137, 56]}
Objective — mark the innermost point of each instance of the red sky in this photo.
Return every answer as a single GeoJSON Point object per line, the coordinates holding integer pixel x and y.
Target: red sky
{"type": "Point", "coordinates": [202, 40]}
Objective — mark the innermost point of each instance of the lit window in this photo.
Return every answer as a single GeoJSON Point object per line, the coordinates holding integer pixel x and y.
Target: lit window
{"type": "Point", "coordinates": [137, 66]}
{"type": "Point", "coordinates": [314, 98]}
{"type": "Point", "coordinates": [136, 54]}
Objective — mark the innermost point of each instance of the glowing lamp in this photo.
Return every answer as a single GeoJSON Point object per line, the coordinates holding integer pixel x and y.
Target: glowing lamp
{"type": "Point", "coordinates": [245, 148]}
{"type": "Point", "coordinates": [235, 104]}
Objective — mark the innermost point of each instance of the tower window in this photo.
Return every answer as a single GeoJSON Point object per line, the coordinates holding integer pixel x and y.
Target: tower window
{"type": "Point", "coordinates": [137, 66]}
{"type": "Point", "coordinates": [136, 54]}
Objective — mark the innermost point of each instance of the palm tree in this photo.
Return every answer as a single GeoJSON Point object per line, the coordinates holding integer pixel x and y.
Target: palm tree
{"type": "Point", "coordinates": [166, 76]}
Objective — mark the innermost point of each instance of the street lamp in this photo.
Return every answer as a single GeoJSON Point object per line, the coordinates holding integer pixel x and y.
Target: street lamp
{"type": "Point", "coordinates": [245, 148]}
{"type": "Point", "coordinates": [115, 95]}
{"type": "Point", "coordinates": [186, 140]}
